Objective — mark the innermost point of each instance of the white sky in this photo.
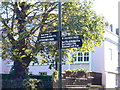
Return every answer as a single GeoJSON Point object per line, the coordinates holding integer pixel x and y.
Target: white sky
{"type": "Point", "coordinates": [108, 9]}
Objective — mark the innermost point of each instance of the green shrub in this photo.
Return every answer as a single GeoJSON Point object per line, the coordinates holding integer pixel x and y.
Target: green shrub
{"type": "Point", "coordinates": [69, 70]}
{"type": "Point", "coordinates": [31, 83]}
{"type": "Point", "coordinates": [42, 77]}
{"type": "Point", "coordinates": [81, 69]}
{"type": "Point", "coordinates": [55, 75]}
{"type": "Point", "coordinates": [46, 80]}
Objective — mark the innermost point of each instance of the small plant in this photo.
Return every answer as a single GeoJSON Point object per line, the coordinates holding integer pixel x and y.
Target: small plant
{"type": "Point", "coordinates": [31, 83]}
{"type": "Point", "coordinates": [55, 75]}
{"type": "Point", "coordinates": [69, 70]}
{"type": "Point", "coordinates": [69, 73]}
{"type": "Point", "coordinates": [81, 69]}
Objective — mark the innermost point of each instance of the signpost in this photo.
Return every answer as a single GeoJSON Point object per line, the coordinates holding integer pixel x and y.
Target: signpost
{"type": "Point", "coordinates": [63, 42]}
{"type": "Point", "coordinates": [51, 36]}
{"type": "Point", "coordinates": [72, 41]}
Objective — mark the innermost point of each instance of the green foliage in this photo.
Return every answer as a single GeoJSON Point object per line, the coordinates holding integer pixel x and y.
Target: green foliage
{"type": "Point", "coordinates": [69, 70]}
{"type": "Point", "coordinates": [84, 21]}
{"type": "Point", "coordinates": [45, 80]}
{"type": "Point", "coordinates": [55, 75]}
{"type": "Point", "coordinates": [81, 69]}
{"type": "Point", "coordinates": [42, 77]}
{"type": "Point", "coordinates": [31, 83]}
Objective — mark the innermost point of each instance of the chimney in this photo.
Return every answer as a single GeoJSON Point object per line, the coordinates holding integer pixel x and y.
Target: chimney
{"type": "Point", "coordinates": [111, 27]}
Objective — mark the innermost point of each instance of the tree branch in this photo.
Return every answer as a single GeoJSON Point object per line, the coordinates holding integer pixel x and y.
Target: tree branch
{"type": "Point", "coordinates": [3, 21]}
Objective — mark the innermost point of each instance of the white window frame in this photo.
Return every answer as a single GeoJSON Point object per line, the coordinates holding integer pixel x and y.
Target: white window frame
{"type": "Point", "coordinates": [83, 56]}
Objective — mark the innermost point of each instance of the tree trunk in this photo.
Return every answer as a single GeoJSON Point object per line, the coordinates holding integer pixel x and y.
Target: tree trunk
{"type": "Point", "coordinates": [19, 69]}
{"type": "Point", "coordinates": [20, 65]}
{"type": "Point", "coordinates": [19, 72]}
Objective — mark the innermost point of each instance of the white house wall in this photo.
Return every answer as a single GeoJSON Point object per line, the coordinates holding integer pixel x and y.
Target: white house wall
{"type": "Point", "coordinates": [110, 59]}
{"type": "Point", "coordinates": [105, 60]}
{"type": "Point", "coordinates": [97, 62]}
{"type": "Point", "coordinates": [37, 68]}
{"type": "Point", "coordinates": [79, 65]}
{"type": "Point", "coordinates": [110, 80]}
{"type": "Point", "coordinates": [6, 67]}
{"type": "Point", "coordinates": [111, 64]}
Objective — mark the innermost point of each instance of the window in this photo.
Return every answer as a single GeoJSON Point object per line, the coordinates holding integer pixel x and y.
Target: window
{"type": "Point", "coordinates": [116, 80]}
{"type": "Point", "coordinates": [82, 57]}
{"type": "Point", "coordinates": [117, 31]}
{"type": "Point", "coordinates": [9, 63]}
{"type": "Point", "coordinates": [110, 53]}
{"type": "Point", "coordinates": [111, 27]}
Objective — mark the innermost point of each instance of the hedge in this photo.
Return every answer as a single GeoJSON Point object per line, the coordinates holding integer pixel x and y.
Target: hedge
{"type": "Point", "coordinates": [8, 80]}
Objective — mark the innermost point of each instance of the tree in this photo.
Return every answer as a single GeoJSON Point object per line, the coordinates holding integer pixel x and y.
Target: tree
{"type": "Point", "coordinates": [23, 23]}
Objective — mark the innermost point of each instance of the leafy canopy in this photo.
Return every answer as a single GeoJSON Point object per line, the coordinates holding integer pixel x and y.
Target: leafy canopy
{"type": "Point", "coordinates": [22, 24]}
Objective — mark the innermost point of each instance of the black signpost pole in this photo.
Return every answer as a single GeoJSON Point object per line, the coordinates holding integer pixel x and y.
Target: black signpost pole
{"type": "Point", "coordinates": [60, 43]}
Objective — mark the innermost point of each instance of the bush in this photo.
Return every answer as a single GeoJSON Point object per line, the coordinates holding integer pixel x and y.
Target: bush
{"type": "Point", "coordinates": [46, 80]}
{"type": "Point", "coordinates": [31, 83]}
{"type": "Point", "coordinates": [42, 77]}
{"type": "Point", "coordinates": [81, 69]}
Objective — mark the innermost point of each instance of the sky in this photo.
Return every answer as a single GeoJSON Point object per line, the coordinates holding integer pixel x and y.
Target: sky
{"type": "Point", "coordinates": [108, 9]}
